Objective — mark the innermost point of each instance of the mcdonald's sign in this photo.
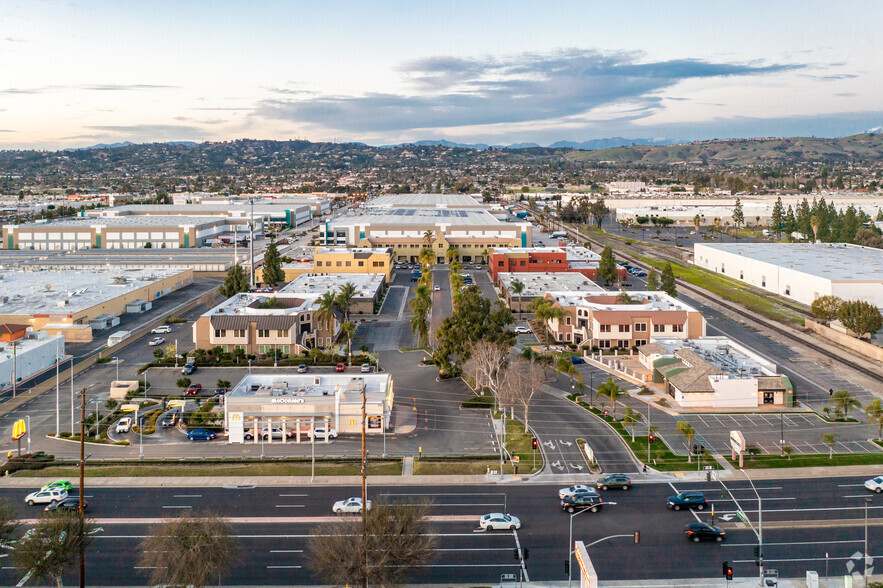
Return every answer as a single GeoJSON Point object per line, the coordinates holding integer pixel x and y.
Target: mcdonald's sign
{"type": "Point", "coordinates": [19, 429]}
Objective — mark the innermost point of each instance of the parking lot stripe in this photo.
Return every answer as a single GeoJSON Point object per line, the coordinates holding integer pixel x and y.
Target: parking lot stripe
{"type": "Point", "coordinates": [283, 567]}
{"type": "Point", "coordinates": [286, 551]}
{"type": "Point", "coordinates": [293, 506]}
{"type": "Point", "coordinates": [187, 496]}
{"type": "Point", "coordinates": [178, 506]}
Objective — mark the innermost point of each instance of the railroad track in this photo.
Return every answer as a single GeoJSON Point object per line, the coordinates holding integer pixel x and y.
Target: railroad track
{"type": "Point", "coordinates": [699, 293]}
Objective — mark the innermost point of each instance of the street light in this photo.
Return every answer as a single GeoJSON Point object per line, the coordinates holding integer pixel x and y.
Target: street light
{"type": "Point", "coordinates": [759, 525]}
{"type": "Point", "coordinates": [117, 361]}
{"type": "Point", "coordinates": [249, 367]}
{"type": "Point", "coordinates": [867, 502]}
{"type": "Point", "coordinates": [145, 383]}
{"type": "Point", "coordinates": [570, 546]}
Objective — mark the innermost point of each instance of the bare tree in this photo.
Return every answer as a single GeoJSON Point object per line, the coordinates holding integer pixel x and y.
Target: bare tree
{"type": "Point", "coordinates": [487, 364]}
{"type": "Point", "coordinates": [522, 382]}
{"type": "Point", "coordinates": [397, 541]}
{"type": "Point", "coordinates": [53, 545]}
{"type": "Point", "coordinates": [189, 550]}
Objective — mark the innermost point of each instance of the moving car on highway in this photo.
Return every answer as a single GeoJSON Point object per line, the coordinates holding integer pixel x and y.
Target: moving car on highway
{"type": "Point", "coordinates": [45, 496]}
{"type": "Point", "coordinates": [697, 532]}
{"type": "Point", "coordinates": [875, 484]}
{"type": "Point", "coordinates": [349, 505]}
{"type": "Point", "coordinates": [695, 500]}
{"type": "Point", "coordinates": [592, 502]}
{"type": "Point", "coordinates": [161, 329]}
{"type": "Point", "coordinates": [340, 368]}
{"type": "Point", "coordinates": [71, 503]}
{"type": "Point", "coordinates": [620, 481]}
{"type": "Point", "coordinates": [321, 434]}
{"type": "Point", "coordinates": [156, 341]}
{"type": "Point", "coordinates": [575, 489]}
{"type": "Point", "coordinates": [188, 368]}
{"type": "Point", "coordinates": [193, 389]}
{"type": "Point", "coordinates": [498, 520]}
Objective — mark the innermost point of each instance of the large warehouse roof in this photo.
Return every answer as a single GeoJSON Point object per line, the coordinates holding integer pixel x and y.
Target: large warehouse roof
{"type": "Point", "coordinates": [424, 200]}
{"type": "Point", "coordinates": [418, 216]}
{"type": "Point", "coordinates": [831, 261]}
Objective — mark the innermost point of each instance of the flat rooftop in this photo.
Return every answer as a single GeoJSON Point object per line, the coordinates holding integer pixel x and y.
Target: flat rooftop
{"type": "Point", "coordinates": [293, 385]}
{"type": "Point", "coordinates": [526, 250]}
{"type": "Point", "coordinates": [133, 221]}
{"type": "Point", "coordinates": [641, 301]}
{"type": "Point", "coordinates": [366, 285]}
{"type": "Point", "coordinates": [357, 250]}
{"type": "Point", "coordinates": [53, 291]}
{"type": "Point", "coordinates": [249, 304]}
{"type": "Point", "coordinates": [419, 216]}
{"type": "Point", "coordinates": [424, 200]}
{"type": "Point", "coordinates": [195, 209]}
{"type": "Point", "coordinates": [722, 354]}
{"type": "Point", "coordinates": [203, 259]}
{"type": "Point", "coordinates": [538, 283]}
{"type": "Point", "coordinates": [838, 262]}
{"type": "Point", "coordinates": [31, 340]}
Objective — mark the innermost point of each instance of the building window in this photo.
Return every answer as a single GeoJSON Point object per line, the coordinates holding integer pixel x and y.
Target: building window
{"type": "Point", "coordinates": [220, 332]}
{"type": "Point", "coordinates": [677, 328]}
{"type": "Point", "coordinates": [265, 349]}
{"type": "Point", "coordinates": [568, 336]}
{"type": "Point", "coordinates": [347, 264]}
{"type": "Point", "coordinates": [567, 320]}
{"type": "Point", "coordinates": [440, 246]}
{"type": "Point", "coordinates": [362, 264]}
{"type": "Point", "coordinates": [499, 264]}
{"type": "Point", "coordinates": [239, 348]}
{"type": "Point", "coordinates": [658, 328]}
{"type": "Point", "coordinates": [239, 333]}
{"type": "Point", "coordinates": [640, 327]}
{"type": "Point", "coordinates": [521, 262]}
{"type": "Point", "coordinates": [769, 397]}
{"type": "Point", "coordinates": [282, 333]}
{"type": "Point", "coordinates": [263, 333]}
{"type": "Point", "coordinates": [285, 349]}
{"type": "Point", "coordinates": [639, 342]}
{"type": "Point", "coordinates": [318, 264]}
{"type": "Point", "coordinates": [625, 328]}
{"type": "Point", "coordinates": [623, 343]}
{"type": "Point", "coordinates": [605, 328]}
{"type": "Point", "coordinates": [338, 264]}
{"type": "Point", "coordinates": [604, 344]}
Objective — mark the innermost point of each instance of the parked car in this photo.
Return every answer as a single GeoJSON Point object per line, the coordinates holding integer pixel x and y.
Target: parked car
{"type": "Point", "coordinates": [277, 433]}
{"type": "Point", "coordinates": [58, 485]}
{"type": "Point", "coordinates": [620, 481]}
{"type": "Point", "coordinates": [169, 419]}
{"type": "Point", "coordinates": [188, 369]}
{"type": "Point", "coordinates": [321, 434]}
{"type": "Point", "coordinates": [349, 505]}
{"type": "Point", "coordinates": [302, 368]}
{"type": "Point", "coordinates": [201, 435]}
{"type": "Point", "coordinates": [264, 290]}
{"type": "Point", "coordinates": [697, 532]}
{"type": "Point", "coordinates": [124, 425]}
{"type": "Point", "coordinates": [498, 520]}
{"type": "Point", "coordinates": [71, 503]}
{"type": "Point", "coordinates": [575, 489]}
{"type": "Point", "coordinates": [45, 496]}
{"type": "Point", "coordinates": [193, 390]}
{"type": "Point", "coordinates": [340, 368]}
{"type": "Point", "coordinates": [156, 341]}
{"type": "Point", "coordinates": [582, 501]}
{"type": "Point", "coordinates": [875, 484]}
{"type": "Point", "coordinates": [695, 500]}
{"type": "Point", "coordinates": [576, 360]}
{"type": "Point", "coordinates": [522, 330]}
{"type": "Point", "coordinates": [366, 368]}
{"type": "Point", "coordinates": [161, 330]}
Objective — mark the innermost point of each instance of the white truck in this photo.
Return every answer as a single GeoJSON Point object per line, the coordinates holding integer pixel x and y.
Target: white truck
{"type": "Point", "coordinates": [118, 337]}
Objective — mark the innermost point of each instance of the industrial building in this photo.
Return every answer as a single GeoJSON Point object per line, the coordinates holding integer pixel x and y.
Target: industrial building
{"type": "Point", "coordinates": [296, 403]}
{"type": "Point", "coordinates": [340, 260]}
{"type": "Point", "coordinates": [286, 215]}
{"type": "Point", "coordinates": [408, 230]}
{"type": "Point", "coordinates": [209, 261]}
{"type": "Point", "coordinates": [799, 271]}
{"type": "Point", "coordinates": [74, 303]}
{"type": "Point", "coordinates": [460, 201]}
{"type": "Point", "coordinates": [272, 325]}
{"type": "Point", "coordinates": [368, 288]}
{"type": "Point", "coordinates": [714, 372]}
{"type": "Point", "coordinates": [320, 204]}
{"type": "Point", "coordinates": [122, 232]}
{"type": "Point", "coordinates": [25, 353]}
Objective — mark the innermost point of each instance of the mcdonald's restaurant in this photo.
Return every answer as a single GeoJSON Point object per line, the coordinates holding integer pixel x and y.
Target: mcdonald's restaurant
{"type": "Point", "coordinates": [292, 405]}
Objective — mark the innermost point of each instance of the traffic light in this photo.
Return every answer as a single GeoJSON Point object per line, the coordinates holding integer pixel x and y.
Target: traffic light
{"type": "Point", "coordinates": [729, 572]}
{"type": "Point", "coordinates": [757, 551]}
{"type": "Point", "coordinates": [534, 442]}
{"type": "Point", "coordinates": [726, 568]}
{"type": "Point", "coordinates": [695, 450]}
{"type": "Point", "coordinates": [566, 566]}
{"type": "Point", "coordinates": [637, 537]}
{"type": "Point", "coordinates": [606, 413]}
{"type": "Point", "coordinates": [650, 439]}
{"type": "Point", "coordinates": [526, 553]}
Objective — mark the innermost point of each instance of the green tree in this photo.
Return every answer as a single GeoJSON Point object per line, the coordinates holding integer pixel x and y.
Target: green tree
{"type": "Point", "coordinates": [778, 216]}
{"type": "Point", "coordinates": [860, 317]}
{"type": "Point", "coordinates": [272, 270]}
{"type": "Point", "coordinates": [189, 551]}
{"type": "Point", "coordinates": [517, 288]}
{"type": "Point", "coordinates": [607, 266]}
{"type": "Point", "coordinates": [874, 410]}
{"type": "Point", "coordinates": [668, 281]}
{"type": "Point", "coordinates": [148, 245]}
{"type": "Point", "coordinates": [9, 523]}
{"type": "Point", "coordinates": [599, 211]}
{"type": "Point", "coordinates": [53, 545]}
{"type": "Point", "coordinates": [236, 281]}
{"type": "Point", "coordinates": [629, 418]}
{"type": "Point", "coordinates": [842, 401]}
{"type": "Point", "coordinates": [611, 390]}
{"type": "Point", "coordinates": [452, 253]}
{"type": "Point", "coordinates": [830, 439]}
{"type": "Point", "coordinates": [326, 313]}
{"type": "Point", "coordinates": [738, 214]}
{"type": "Point", "coordinates": [825, 308]}
{"type": "Point", "coordinates": [687, 431]}
{"type": "Point", "coordinates": [345, 299]}
{"type": "Point", "coordinates": [473, 319]}
{"type": "Point", "coordinates": [420, 306]}
{"type": "Point", "coordinates": [652, 280]}
{"type": "Point", "coordinates": [183, 383]}
{"type": "Point", "coordinates": [543, 313]}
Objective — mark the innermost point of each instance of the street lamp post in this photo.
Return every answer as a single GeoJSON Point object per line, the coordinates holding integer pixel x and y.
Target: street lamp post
{"type": "Point", "coordinates": [759, 525]}
{"type": "Point", "coordinates": [865, 557]}
{"type": "Point", "coordinates": [140, 437]}
{"type": "Point", "coordinates": [57, 388]}
{"type": "Point", "coordinates": [145, 383]}
{"type": "Point", "coordinates": [249, 367]}
{"type": "Point", "coordinates": [97, 419]}
{"type": "Point", "coordinates": [116, 360]}
{"type": "Point", "coordinates": [570, 547]}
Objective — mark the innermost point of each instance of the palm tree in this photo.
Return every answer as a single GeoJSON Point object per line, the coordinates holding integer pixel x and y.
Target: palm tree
{"type": "Point", "coordinates": [565, 366]}
{"type": "Point", "coordinates": [452, 253]}
{"type": "Point", "coordinates": [327, 311]}
{"type": "Point", "coordinates": [611, 390]}
{"type": "Point", "coordinates": [830, 439]}
{"type": "Point", "coordinates": [696, 222]}
{"type": "Point", "coordinates": [875, 415]}
{"type": "Point", "coordinates": [349, 329]}
{"type": "Point", "coordinates": [686, 429]}
{"type": "Point", "coordinates": [421, 304]}
{"type": "Point", "coordinates": [843, 400]}
{"type": "Point", "coordinates": [428, 237]}
{"type": "Point", "coordinates": [629, 418]}
{"type": "Point", "coordinates": [427, 257]}
{"type": "Point", "coordinates": [345, 299]}
{"type": "Point", "coordinates": [517, 288]}
{"type": "Point", "coordinates": [815, 221]}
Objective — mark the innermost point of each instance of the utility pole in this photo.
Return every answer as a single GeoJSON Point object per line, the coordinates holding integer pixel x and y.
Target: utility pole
{"type": "Point", "coordinates": [251, 243]}
{"type": "Point", "coordinates": [364, 489]}
{"type": "Point", "coordinates": [57, 391]}
{"type": "Point", "coordinates": [81, 510]}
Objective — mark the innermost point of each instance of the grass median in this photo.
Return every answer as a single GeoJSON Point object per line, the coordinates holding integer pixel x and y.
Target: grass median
{"type": "Point", "coordinates": [245, 469]}
{"type": "Point", "coordinates": [809, 460]}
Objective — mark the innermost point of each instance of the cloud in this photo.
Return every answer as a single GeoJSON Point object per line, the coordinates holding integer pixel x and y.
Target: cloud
{"type": "Point", "coordinates": [456, 92]}
{"type": "Point", "coordinates": [6, 131]}
{"type": "Point", "coordinates": [146, 129]}
{"type": "Point", "coordinates": [89, 87]}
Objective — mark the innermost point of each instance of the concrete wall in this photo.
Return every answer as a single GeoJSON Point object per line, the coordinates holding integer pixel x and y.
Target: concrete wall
{"type": "Point", "coordinates": [862, 348]}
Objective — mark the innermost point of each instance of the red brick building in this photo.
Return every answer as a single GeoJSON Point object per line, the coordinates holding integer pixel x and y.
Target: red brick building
{"type": "Point", "coordinates": [546, 259]}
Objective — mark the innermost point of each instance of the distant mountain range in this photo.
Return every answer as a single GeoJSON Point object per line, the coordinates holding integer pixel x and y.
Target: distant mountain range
{"type": "Point", "coordinates": [590, 145]}
{"type": "Point", "coordinates": [126, 144]}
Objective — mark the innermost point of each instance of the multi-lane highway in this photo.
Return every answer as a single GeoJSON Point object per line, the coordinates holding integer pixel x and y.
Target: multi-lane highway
{"type": "Point", "coordinates": [804, 521]}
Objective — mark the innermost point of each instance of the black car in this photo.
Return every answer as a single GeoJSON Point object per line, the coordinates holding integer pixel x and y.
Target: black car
{"type": "Point", "coordinates": [593, 502]}
{"type": "Point", "coordinates": [620, 481]}
{"type": "Point", "coordinates": [71, 503]}
{"type": "Point", "coordinates": [695, 500]}
{"type": "Point", "coordinates": [169, 420]}
{"type": "Point", "coordinates": [697, 532]}
{"type": "Point", "coordinates": [188, 369]}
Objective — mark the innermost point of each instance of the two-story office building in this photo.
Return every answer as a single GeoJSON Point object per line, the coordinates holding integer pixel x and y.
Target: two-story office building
{"type": "Point", "coordinates": [340, 260]}
{"type": "Point", "coordinates": [579, 260]}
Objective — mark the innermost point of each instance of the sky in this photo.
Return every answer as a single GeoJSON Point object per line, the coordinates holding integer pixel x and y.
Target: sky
{"type": "Point", "coordinates": [77, 73]}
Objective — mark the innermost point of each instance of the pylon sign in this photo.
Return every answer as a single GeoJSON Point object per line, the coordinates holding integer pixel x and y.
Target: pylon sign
{"type": "Point", "coordinates": [19, 429]}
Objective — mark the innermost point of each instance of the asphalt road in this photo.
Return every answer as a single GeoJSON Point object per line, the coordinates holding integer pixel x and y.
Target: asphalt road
{"type": "Point", "coordinates": [804, 520]}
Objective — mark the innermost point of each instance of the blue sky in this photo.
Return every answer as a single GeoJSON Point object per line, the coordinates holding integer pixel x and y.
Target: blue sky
{"type": "Point", "coordinates": [76, 73]}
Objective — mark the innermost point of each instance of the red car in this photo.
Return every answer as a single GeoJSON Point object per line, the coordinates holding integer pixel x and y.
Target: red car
{"type": "Point", "coordinates": [193, 390]}
{"type": "Point", "coordinates": [340, 368]}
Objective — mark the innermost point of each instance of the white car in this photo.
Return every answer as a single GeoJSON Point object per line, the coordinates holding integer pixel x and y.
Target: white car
{"type": "Point", "coordinates": [156, 341]}
{"type": "Point", "coordinates": [45, 496]}
{"type": "Point", "coordinates": [321, 434]}
{"type": "Point", "coordinates": [498, 520]}
{"type": "Point", "coordinates": [349, 505]}
{"type": "Point", "coordinates": [575, 489]}
{"type": "Point", "coordinates": [522, 330]}
{"type": "Point", "coordinates": [436, 288]}
{"type": "Point", "coordinates": [124, 425]}
{"type": "Point", "coordinates": [875, 484]}
{"type": "Point", "coordinates": [161, 329]}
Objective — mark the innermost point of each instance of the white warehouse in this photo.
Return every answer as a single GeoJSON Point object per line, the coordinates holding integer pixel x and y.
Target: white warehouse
{"type": "Point", "coordinates": [799, 271]}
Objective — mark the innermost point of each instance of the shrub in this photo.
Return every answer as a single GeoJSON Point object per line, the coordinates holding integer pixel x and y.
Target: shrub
{"type": "Point", "coordinates": [484, 401]}
{"type": "Point", "coordinates": [176, 320]}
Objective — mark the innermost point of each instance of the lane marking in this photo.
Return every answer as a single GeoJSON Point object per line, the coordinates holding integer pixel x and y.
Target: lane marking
{"type": "Point", "coordinates": [283, 567]}
{"type": "Point", "coordinates": [291, 506]}
{"type": "Point", "coordinates": [187, 496]}
{"type": "Point", "coordinates": [520, 555]}
{"type": "Point", "coordinates": [286, 551]}
{"type": "Point", "coordinates": [794, 543]}
{"type": "Point", "coordinates": [178, 506]}
{"type": "Point", "coordinates": [293, 495]}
